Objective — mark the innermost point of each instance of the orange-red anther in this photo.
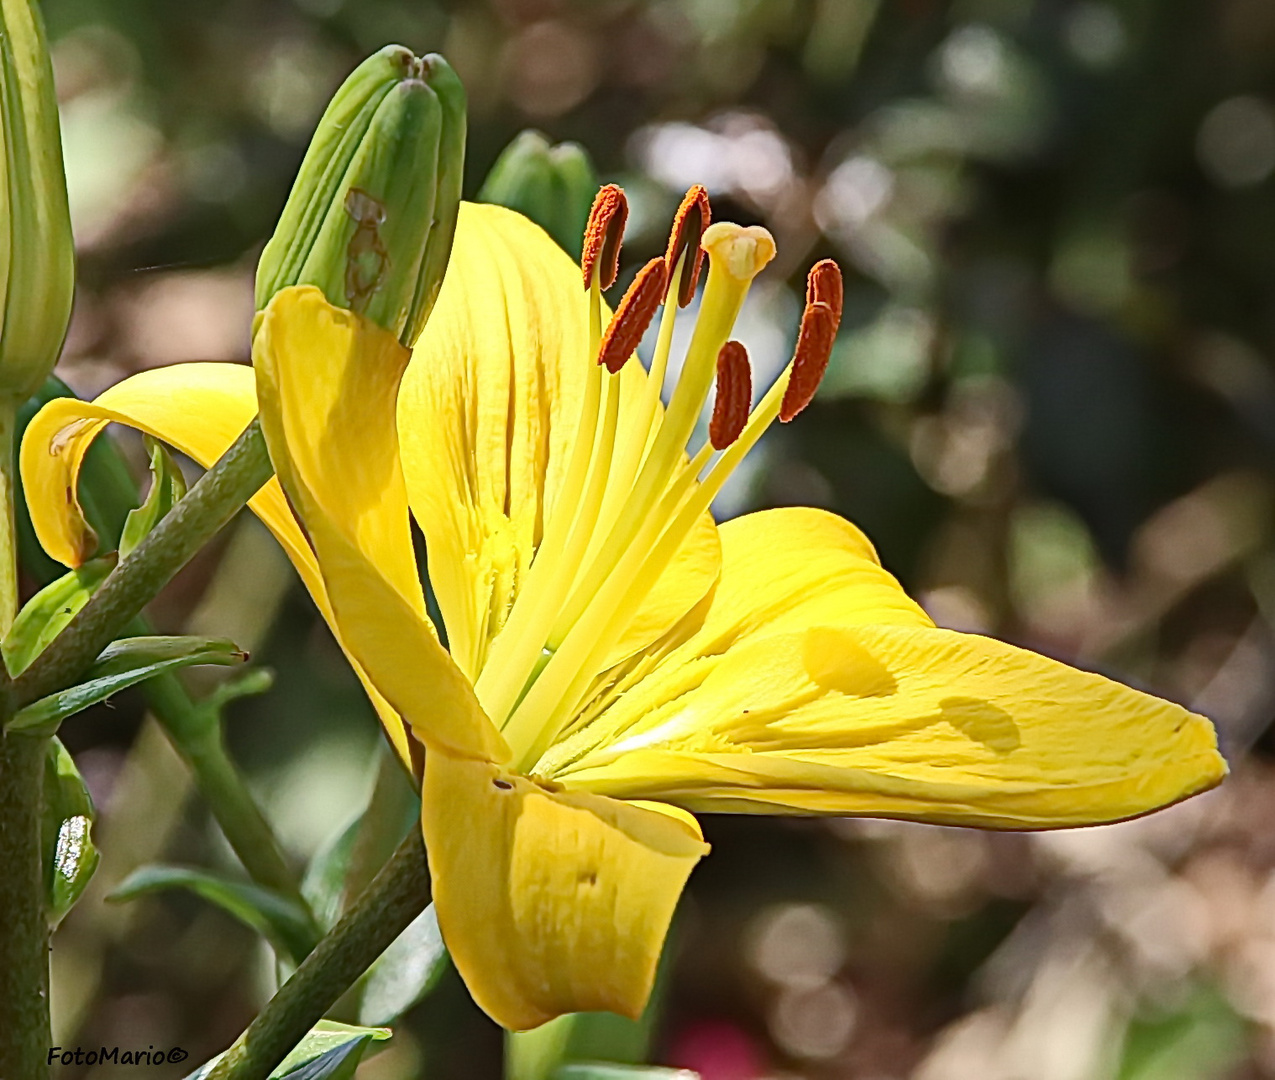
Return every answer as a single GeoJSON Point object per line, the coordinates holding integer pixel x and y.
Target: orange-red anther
{"type": "Point", "coordinates": [602, 235]}
{"type": "Point", "coordinates": [734, 395]}
{"type": "Point", "coordinates": [823, 285]}
{"type": "Point", "coordinates": [810, 358]}
{"type": "Point", "coordinates": [634, 315]}
{"type": "Point", "coordinates": [689, 223]}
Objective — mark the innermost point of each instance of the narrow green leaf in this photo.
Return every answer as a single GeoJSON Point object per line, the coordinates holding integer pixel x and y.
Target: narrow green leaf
{"type": "Point", "coordinates": [123, 663]}
{"type": "Point", "coordinates": [46, 614]}
{"type": "Point", "coordinates": [602, 1070]}
{"type": "Point", "coordinates": [326, 1038]}
{"type": "Point", "coordinates": [69, 855]}
{"type": "Point", "coordinates": [129, 654]}
{"type": "Point", "coordinates": [338, 1063]}
{"type": "Point", "coordinates": [167, 486]}
{"type": "Point", "coordinates": [408, 970]}
{"type": "Point", "coordinates": [283, 922]}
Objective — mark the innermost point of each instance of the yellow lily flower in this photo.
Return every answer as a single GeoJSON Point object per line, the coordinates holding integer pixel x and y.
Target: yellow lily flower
{"type": "Point", "coordinates": [615, 660]}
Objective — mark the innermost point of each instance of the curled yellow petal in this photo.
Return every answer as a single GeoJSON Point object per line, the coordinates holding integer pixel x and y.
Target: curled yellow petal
{"type": "Point", "coordinates": [550, 901]}
{"type": "Point", "coordinates": [198, 408]}
{"type": "Point", "coordinates": [327, 382]}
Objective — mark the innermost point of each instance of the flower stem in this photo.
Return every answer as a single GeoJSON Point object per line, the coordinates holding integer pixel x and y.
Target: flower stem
{"type": "Point", "coordinates": [196, 734]}
{"type": "Point", "coordinates": [8, 534]}
{"type": "Point", "coordinates": [24, 931]}
{"type": "Point", "coordinates": [394, 898]}
{"type": "Point", "coordinates": [213, 501]}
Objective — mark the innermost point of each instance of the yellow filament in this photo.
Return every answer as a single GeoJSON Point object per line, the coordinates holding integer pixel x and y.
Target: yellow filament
{"type": "Point", "coordinates": [516, 649]}
{"type": "Point", "coordinates": [577, 663]}
{"type": "Point", "coordinates": [524, 727]}
{"type": "Point", "coordinates": [637, 439]}
{"type": "Point", "coordinates": [735, 256]}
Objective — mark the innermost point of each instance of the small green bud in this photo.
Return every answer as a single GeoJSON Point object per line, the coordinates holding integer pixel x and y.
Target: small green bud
{"type": "Point", "coordinates": [372, 213]}
{"type": "Point", "coordinates": [37, 253]}
{"type": "Point", "coordinates": [552, 185]}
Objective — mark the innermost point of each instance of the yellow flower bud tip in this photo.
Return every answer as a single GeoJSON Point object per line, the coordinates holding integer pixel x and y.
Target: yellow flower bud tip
{"type": "Point", "coordinates": [740, 250]}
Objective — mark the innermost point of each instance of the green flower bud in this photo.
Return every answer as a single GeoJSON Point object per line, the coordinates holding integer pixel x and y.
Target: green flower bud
{"type": "Point", "coordinates": [37, 254]}
{"type": "Point", "coordinates": [552, 185]}
{"type": "Point", "coordinates": [372, 213]}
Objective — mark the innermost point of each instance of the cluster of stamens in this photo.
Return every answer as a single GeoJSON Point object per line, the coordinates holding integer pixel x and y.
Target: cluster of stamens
{"type": "Point", "coordinates": [629, 499]}
{"type": "Point", "coordinates": [651, 288]}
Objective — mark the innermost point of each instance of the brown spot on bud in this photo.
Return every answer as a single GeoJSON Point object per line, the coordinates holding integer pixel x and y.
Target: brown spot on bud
{"type": "Point", "coordinates": [634, 315]}
{"type": "Point", "coordinates": [734, 395]}
{"type": "Point", "coordinates": [692, 218]}
{"type": "Point", "coordinates": [810, 359]}
{"type": "Point", "coordinates": [366, 260]}
{"type": "Point", "coordinates": [823, 286]}
{"type": "Point", "coordinates": [602, 236]}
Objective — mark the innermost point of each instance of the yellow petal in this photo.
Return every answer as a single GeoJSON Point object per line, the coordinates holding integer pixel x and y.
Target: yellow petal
{"type": "Point", "coordinates": [911, 722]}
{"type": "Point", "coordinates": [781, 570]}
{"type": "Point", "coordinates": [797, 566]}
{"type": "Point", "coordinates": [198, 408]}
{"type": "Point", "coordinates": [326, 383]}
{"type": "Point", "coordinates": [488, 413]}
{"type": "Point", "coordinates": [550, 901]}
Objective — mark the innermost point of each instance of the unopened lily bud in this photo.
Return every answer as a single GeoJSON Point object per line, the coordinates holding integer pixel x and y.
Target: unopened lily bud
{"type": "Point", "coordinates": [552, 185]}
{"type": "Point", "coordinates": [37, 254]}
{"type": "Point", "coordinates": [372, 213]}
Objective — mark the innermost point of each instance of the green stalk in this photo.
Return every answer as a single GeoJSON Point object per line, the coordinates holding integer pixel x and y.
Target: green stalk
{"type": "Point", "coordinates": [219, 494]}
{"type": "Point", "coordinates": [396, 896]}
{"type": "Point", "coordinates": [24, 933]}
{"type": "Point", "coordinates": [8, 532]}
{"type": "Point", "coordinates": [108, 492]}
{"type": "Point", "coordinates": [198, 738]}
{"type": "Point", "coordinates": [24, 930]}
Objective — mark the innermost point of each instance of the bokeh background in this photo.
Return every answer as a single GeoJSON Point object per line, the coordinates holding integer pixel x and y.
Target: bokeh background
{"type": "Point", "coordinates": [1052, 404]}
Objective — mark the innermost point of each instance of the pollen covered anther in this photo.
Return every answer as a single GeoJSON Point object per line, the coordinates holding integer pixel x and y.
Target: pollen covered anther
{"type": "Point", "coordinates": [602, 236]}
{"type": "Point", "coordinates": [734, 395]}
{"type": "Point", "coordinates": [810, 359]}
{"type": "Point", "coordinates": [823, 285]}
{"type": "Point", "coordinates": [634, 315]}
{"type": "Point", "coordinates": [692, 218]}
